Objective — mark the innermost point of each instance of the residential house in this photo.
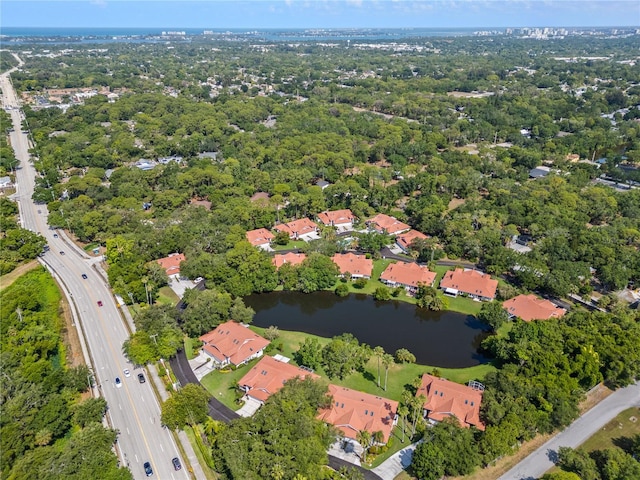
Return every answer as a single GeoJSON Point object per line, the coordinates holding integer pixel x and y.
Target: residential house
{"type": "Point", "coordinates": [407, 275]}
{"type": "Point", "coordinates": [404, 240]}
{"type": "Point", "coordinates": [260, 238]}
{"type": "Point", "coordinates": [302, 229]}
{"type": "Point", "coordinates": [450, 399]}
{"type": "Point", "coordinates": [386, 224]}
{"type": "Point", "coordinates": [359, 266]}
{"type": "Point", "coordinates": [232, 343]}
{"type": "Point", "coordinates": [469, 282]}
{"type": "Point", "coordinates": [352, 411]}
{"type": "Point", "coordinates": [341, 219]}
{"type": "Point", "coordinates": [529, 307]}
{"type": "Point", "coordinates": [268, 376]}
{"type": "Point", "coordinates": [539, 172]}
{"type": "Point", "coordinates": [291, 258]}
{"type": "Point", "coordinates": [171, 264]}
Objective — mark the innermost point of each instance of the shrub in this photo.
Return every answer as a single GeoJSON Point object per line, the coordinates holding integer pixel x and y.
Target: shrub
{"type": "Point", "coordinates": [360, 283]}
{"type": "Point", "coordinates": [342, 290]}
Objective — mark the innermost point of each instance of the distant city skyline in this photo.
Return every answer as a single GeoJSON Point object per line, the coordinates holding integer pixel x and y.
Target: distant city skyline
{"type": "Point", "coordinates": [221, 14]}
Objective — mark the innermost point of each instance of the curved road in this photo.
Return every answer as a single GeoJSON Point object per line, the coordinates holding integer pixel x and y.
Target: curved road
{"type": "Point", "coordinates": [536, 464]}
{"type": "Point", "coordinates": [132, 407]}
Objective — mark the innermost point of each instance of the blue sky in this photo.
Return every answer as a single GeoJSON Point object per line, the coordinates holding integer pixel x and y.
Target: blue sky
{"type": "Point", "coordinates": [216, 14]}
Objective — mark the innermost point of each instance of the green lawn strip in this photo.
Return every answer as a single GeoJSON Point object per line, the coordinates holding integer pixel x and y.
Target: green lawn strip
{"type": "Point", "coordinates": [200, 454]}
{"type": "Point", "coordinates": [625, 425]}
{"type": "Point", "coordinates": [166, 296]}
{"type": "Point", "coordinates": [188, 348]}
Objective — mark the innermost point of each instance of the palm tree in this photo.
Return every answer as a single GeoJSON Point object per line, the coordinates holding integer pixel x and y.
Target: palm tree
{"type": "Point", "coordinates": [387, 361]}
{"type": "Point", "coordinates": [364, 439]}
{"type": "Point", "coordinates": [378, 352]}
{"type": "Point", "coordinates": [417, 405]}
{"type": "Point", "coordinates": [378, 436]}
{"type": "Point", "coordinates": [403, 411]}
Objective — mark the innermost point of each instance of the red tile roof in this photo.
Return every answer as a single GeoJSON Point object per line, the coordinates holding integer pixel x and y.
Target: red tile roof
{"type": "Point", "coordinates": [268, 376]}
{"type": "Point", "coordinates": [405, 239]}
{"type": "Point", "coordinates": [280, 259]}
{"type": "Point", "coordinates": [471, 282]}
{"type": "Point", "coordinates": [296, 228]}
{"type": "Point", "coordinates": [260, 236]}
{"type": "Point", "coordinates": [529, 307]}
{"type": "Point", "coordinates": [387, 224]}
{"type": "Point", "coordinates": [171, 264]}
{"type": "Point", "coordinates": [408, 274]}
{"type": "Point", "coordinates": [234, 342]}
{"type": "Point", "coordinates": [357, 265]}
{"type": "Point", "coordinates": [352, 411]}
{"type": "Point", "coordinates": [450, 399]}
{"type": "Point", "coordinates": [336, 217]}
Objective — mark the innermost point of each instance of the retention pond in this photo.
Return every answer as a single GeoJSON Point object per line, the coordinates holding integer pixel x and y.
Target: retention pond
{"type": "Point", "coordinates": [442, 339]}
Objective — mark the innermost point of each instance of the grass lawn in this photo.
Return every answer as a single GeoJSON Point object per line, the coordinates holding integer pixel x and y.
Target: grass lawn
{"type": "Point", "coordinates": [188, 347]}
{"type": "Point", "coordinates": [223, 385]}
{"type": "Point", "coordinates": [613, 434]}
{"type": "Point", "coordinates": [291, 245]}
{"type": "Point", "coordinates": [166, 296]}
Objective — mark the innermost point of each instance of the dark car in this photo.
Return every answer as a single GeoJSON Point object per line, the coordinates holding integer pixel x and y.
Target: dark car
{"type": "Point", "coordinates": [55, 235]}
{"type": "Point", "coordinates": [147, 469]}
{"type": "Point", "coordinates": [61, 252]}
{"type": "Point", "coordinates": [118, 382]}
{"type": "Point", "coordinates": [99, 303]}
{"type": "Point", "coordinates": [176, 463]}
{"type": "Point", "coordinates": [84, 275]}
{"type": "Point", "coordinates": [141, 378]}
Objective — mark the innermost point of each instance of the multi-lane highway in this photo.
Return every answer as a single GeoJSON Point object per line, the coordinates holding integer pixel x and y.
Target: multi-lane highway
{"type": "Point", "coordinates": [133, 408]}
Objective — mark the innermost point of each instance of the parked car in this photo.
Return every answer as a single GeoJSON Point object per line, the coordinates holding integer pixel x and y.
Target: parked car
{"type": "Point", "coordinates": [147, 469]}
{"type": "Point", "coordinates": [176, 463]}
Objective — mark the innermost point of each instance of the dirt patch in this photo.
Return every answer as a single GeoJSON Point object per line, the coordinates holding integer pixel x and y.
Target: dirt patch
{"type": "Point", "coordinates": [455, 203]}
{"type": "Point", "coordinates": [70, 336]}
{"type": "Point", "coordinates": [9, 278]}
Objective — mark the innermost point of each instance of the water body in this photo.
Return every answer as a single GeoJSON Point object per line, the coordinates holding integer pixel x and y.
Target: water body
{"type": "Point", "coordinates": [442, 339]}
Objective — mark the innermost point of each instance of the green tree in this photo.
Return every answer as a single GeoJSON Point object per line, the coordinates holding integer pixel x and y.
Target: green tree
{"type": "Point", "coordinates": [405, 356]}
{"type": "Point", "coordinates": [187, 406]}
{"type": "Point", "coordinates": [91, 410]}
{"type": "Point", "coordinates": [493, 315]}
{"type": "Point", "coordinates": [309, 354]}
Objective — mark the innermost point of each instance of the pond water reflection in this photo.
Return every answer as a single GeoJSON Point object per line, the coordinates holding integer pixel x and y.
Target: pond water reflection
{"type": "Point", "coordinates": [443, 339]}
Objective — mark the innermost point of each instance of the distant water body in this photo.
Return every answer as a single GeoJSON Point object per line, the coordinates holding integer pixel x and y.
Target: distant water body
{"type": "Point", "coordinates": [124, 34]}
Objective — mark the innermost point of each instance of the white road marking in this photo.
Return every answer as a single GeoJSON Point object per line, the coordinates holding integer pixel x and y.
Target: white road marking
{"type": "Point", "coordinates": [128, 431]}
{"type": "Point", "coordinates": [161, 448]}
{"type": "Point", "coordinates": [136, 458]}
{"type": "Point", "coordinates": [120, 405]}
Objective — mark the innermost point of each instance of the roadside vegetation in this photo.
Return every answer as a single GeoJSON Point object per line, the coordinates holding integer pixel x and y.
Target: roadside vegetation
{"type": "Point", "coordinates": [48, 428]}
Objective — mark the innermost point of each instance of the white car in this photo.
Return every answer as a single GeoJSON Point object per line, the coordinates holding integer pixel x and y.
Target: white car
{"type": "Point", "coordinates": [127, 373]}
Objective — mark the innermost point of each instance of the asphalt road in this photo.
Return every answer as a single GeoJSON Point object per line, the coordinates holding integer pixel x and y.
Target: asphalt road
{"type": "Point", "coordinates": [536, 464]}
{"type": "Point", "coordinates": [132, 408]}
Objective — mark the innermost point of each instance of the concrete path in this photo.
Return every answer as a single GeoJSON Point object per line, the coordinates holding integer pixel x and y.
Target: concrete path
{"type": "Point", "coordinates": [392, 466]}
{"type": "Point", "coordinates": [545, 457]}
